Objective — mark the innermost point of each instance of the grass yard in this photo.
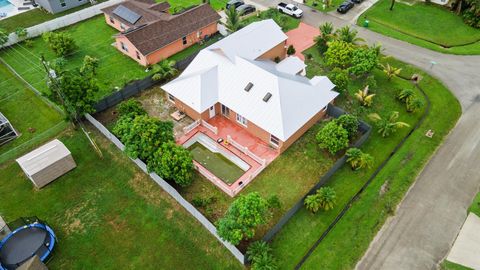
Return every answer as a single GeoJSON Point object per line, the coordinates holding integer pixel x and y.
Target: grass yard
{"type": "Point", "coordinates": [475, 207]}
{"type": "Point", "coordinates": [94, 38]}
{"type": "Point", "coordinates": [216, 4]}
{"type": "Point", "coordinates": [318, 5]}
{"type": "Point", "coordinates": [107, 214]}
{"type": "Point", "coordinates": [446, 265]}
{"type": "Point", "coordinates": [409, 23]}
{"type": "Point", "coordinates": [350, 238]}
{"type": "Point", "coordinates": [30, 116]}
{"type": "Point", "coordinates": [286, 22]}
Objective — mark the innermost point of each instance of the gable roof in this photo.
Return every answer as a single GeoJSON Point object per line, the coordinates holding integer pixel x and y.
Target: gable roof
{"type": "Point", "coordinates": [215, 76]}
{"type": "Point", "coordinates": [149, 11]}
{"type": "Point", "coordinates": [43, 157]}
{"type": "Point", "coordinates": [162, 32]}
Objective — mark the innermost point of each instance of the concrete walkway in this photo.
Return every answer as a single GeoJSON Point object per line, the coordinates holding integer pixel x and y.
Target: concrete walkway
{"type": "Point", "coordinates": [428, 220]}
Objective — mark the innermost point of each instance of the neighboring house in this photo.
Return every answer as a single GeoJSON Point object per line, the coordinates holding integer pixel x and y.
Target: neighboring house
{"type": "Point", "coordinates": [56, 6]}
{"type": "Point", "coordinates": [149, 33]}
{"type": "Point", "coordinates": [238, 78]}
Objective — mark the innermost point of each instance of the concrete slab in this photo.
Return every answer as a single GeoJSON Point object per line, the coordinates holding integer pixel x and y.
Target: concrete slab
{"type": "Point", "coordinates": [302, 38]}
{"type": "Point", "coordinates": [466, 249]}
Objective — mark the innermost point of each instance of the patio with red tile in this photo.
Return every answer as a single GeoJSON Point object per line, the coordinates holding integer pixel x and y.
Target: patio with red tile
{"type": "Point", "coordinates": [302, 38]}
{"type": "Point", "coordinates": [240, 135]}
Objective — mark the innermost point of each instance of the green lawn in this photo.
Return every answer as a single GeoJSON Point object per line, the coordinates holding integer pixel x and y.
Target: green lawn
{"type": "Point", "coordinates": [409, 23]}
{"type": "Point", "coordinates": [30, 116]}
{"type": "Point", "coordinates": [93, 37]}
{"type": "Point", "coordinates": [350, 238]}
{"type": "Point", "coordinates": [216, 4]}
{"type": "Point", "coordinates": [107, 214]}
{"type": "Point", "coordinates": [446, 265]}
{"type": "Point", "coordinates": [284, 21]}
{"type": "Point", "coordinates": [475, 207]}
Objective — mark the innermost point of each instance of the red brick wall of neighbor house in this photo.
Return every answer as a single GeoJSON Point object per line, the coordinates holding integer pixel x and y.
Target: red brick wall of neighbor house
{"type": "Point", "coordinates": [132, 51]}
{"type": "Point", "coordinates": [277, 51]}
{"type": "Point", "coordinates": [178, 46]}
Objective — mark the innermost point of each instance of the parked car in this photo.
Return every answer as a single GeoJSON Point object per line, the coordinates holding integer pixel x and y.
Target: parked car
{"type": "Point", "coordinates": [290, 9]}
{"type": "Point", "coordinates": [357, 1]}
{"type": "Point", "coordinates": [345, 7]}
{"type": "Point", "coordinates": [234, 3]}
{"type": "Point", "coordinates": [246, 9]}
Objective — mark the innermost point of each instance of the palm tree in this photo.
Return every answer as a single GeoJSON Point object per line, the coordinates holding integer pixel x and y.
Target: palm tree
{"type": "Point", "coordinates": [326, 35]}
{"type": "Point", "coordinates": [391, 71]}
{"type": "Point", "coordinates": [233, 20]}
{"type": "Point", "coordinates": [312, 203]}
{"type": "Point", "coordinates": [163, 70]}
{"type": "Point", "coordinates": [348, 35]}
{"type": "Point", "coordinates": [265, 262]}
{"type": "Point", "coordinates": [327, 198]}
{"type": "Point", "coordinates": [406, 95]}
{"type": "Point", "coordinates": [364, 98]}
{"type": "Point", "coordinates": [389, 125]}
{"type": "Point", "coordinates": [353, 157]}
{"type": "Point", "coordinates": [414, 104]}
{"type": "Point", "coordinates": [258, 248]}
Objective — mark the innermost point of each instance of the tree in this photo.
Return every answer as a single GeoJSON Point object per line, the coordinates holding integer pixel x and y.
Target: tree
{"type": "Point", "coordinates": [364, 60]}
{"type": "Point", "coordinates": [312, 203]}
{"type": "Point", "coordinates": [90, 65]}
{"type": "Point", "coordinates": [21, 32]}
{"type": "Point", "coordinates": [392, 4]}
{"type": "Point", "coordinates": [339, 54]}
{"type": "Point", "coordinates": [324, 199]}
{"type": "Point", "coordinates": [387, 126]}
{"type": "Point", "coordinates": [340, 78]}
{"type": "Point", "coordinates": [291, 50]}
{"type": "Point", "coordinates": [350, 123]}
{"type": "Point", "coordinates": [414, 104]}
{"type": "Point", "coordinates": [358, 159]}
{"type": "Point", "coordinates": [144, 136]}
{"type": "Point", "coordinates": [233, 23]}
{"type": "Point", "coordinates": [332, 137]}
{"type": "Point", "coordinates": [346, 34]}
{"type": "Point", "coordinates": [173, 162]}
{"type": "Point", "coordinates": [62, 44]}
{"type": "Point", "coordinates": [364, 97]}
{"type": "Point", "coordinates": [470, 12]}
{"type": "Point", "coordinates": [3, 37]}
{"type": "Point", "coordinates": [131, 108]}
{"type": "Point", "coordinates": [164, 70]}
{"type": "Point", "coordinates": [242, 218]}
{"type": "Point", "coordinates": [76, 94]}
{"type": "Point", "coordinates": [326, 36]}
{"type": "Point", "coordinates": [391, 71]}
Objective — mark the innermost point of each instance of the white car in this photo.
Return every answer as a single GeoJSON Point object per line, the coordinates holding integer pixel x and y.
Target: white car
{"type": "Point", "coordinates": [290, 9]}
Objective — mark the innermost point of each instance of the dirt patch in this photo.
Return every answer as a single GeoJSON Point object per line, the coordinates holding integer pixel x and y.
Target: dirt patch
{"type": "Point", "coordinates": [144, 188]}
{"type": "Point", "coordinates": [78, 218]}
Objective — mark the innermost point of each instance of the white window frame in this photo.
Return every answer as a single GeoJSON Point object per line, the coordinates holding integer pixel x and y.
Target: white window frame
{"type": "Point", "coordinates": [124, 47]}
{"type": "Point", "coordinates": [274, 141]}
{"type": "Point", "coordinates": [170, 98]}
{"type": "Point", "coordinates": [112, 20]}
{"type": "Point", "coordinates": [123, 26]}
{"type": "Point", "coordinates": [225, 111]}
{"type": "Point", "coordinates": [241, 120]}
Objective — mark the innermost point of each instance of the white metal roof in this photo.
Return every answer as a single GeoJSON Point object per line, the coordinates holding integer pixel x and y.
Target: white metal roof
{"type": "Point", "coordinates": [215, 77]}
{"type": "Point", "coordinates": [43, 157]}
{"type": "Point", "coordinates": [291, 65]}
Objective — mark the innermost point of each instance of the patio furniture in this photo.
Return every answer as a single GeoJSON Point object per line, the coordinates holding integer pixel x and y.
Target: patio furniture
{"type": "Point", "coordinates": [178, 115]}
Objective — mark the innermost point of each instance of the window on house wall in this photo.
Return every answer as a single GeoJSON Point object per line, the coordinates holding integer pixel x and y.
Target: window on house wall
{"type": "Point", "coordinates": [171, 98]}
{"type": "Point", "coordinates": [112, 20]}
{"type": "Point", "coordinates": [242, 120]}
{"type": "Point", "coordinates": [124, 47]}
{"type": "Point", "coordinates": [62, 3]}
{"type": "Point", "coordinates": [138, 55]}
{"type": "Point", "coordinates": [274, 140]}
{"type": "Point", "coordinates": [184, 40]}
{"type": "Point", "coordinates": [225, 111]}
{"type": "Point", "coordinates": [123, 26]}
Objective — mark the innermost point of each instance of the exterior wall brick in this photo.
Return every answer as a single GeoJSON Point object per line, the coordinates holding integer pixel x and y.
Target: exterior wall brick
{"type": "Point", "coordinates": [278, 51]}
{"type": "Point", "coordinates": [132, 51]}
{"type": "Point", "coordinates": [116, 23]}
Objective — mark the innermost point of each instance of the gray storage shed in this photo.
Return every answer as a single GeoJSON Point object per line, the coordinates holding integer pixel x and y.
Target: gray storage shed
{"type": "Point", "coordinates": [47, 163]}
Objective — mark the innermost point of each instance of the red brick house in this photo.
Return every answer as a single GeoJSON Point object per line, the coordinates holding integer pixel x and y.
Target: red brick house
{"type": "Point", "coordinates": [149, 33]}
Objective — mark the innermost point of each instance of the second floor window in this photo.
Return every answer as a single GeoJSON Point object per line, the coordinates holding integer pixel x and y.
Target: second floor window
{"type": "Point", "coordinates": [124, 47]}
{"type": "Point", "coordinates": [184, 40]}
{"type": "Point", "coordinates": [62, 3]}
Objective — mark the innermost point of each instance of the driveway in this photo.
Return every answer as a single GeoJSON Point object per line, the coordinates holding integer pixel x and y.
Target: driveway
{"type": "Point", "coordinates": [302, 38]}
{"type": "Point", "coordinates": [428, 220]}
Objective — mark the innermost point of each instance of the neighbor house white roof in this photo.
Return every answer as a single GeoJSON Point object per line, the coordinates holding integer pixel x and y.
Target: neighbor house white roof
{"type": "Point", "coordinates": [221, 72]}
{"type": "Point", "coordinates": [43, 157]}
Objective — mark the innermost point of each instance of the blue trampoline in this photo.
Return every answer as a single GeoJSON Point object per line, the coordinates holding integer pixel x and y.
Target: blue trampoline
{"type": "Point", "coordinates": [32, 238]}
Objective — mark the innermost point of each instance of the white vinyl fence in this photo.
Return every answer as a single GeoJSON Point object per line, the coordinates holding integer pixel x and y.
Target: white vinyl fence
{"type": "Point", "coordinates": [170, 190]}
{"type": "Point", "coordinates": [63, 21]}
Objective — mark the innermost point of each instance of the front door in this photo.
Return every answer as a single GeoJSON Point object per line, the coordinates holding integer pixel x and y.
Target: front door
{"type": "Point", "coordinates": [212, 111]}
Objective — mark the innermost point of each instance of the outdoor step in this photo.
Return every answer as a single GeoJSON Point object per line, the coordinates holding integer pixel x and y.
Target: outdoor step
{"type": "Point", "coordinates": [23, 8]}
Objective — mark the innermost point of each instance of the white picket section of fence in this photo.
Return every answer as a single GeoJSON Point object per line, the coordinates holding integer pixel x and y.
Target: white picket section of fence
{"type": "Point", "coordinates": [212, 178]}
{"type": "Point", "coordinates": [246, 151]}
{"type": "Point", "coordinates": [171, 191]}
{"type": "Point", "coordinates": [210, 127]}
{"type": "Point", "coordinates": [191, 127]}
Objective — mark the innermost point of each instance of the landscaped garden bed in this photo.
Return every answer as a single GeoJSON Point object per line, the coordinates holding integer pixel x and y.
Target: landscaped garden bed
{"type": "Point", "coordinates": [442, 30]}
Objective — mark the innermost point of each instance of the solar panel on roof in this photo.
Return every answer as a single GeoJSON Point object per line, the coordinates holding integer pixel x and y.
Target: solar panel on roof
{"type": "Point", "coordinates": [126, 14]}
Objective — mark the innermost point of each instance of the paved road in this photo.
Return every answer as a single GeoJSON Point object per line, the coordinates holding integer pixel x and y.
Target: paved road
{"type": "Point", "coordinates": [428, 220]}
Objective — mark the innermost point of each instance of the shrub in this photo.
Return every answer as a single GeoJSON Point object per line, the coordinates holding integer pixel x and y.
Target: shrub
{"type": "Point", "coordinates": [350, 123]}
{"type": "Point", "coordinates": [173, 162]}
{"type": "Point", "coordinates": [131, 108]}
{"type": "Point", "coordinates": [259, 253]}
{"type": "Point", "coordinates": [365, 98]}
{"type": "Point", "coordinates": [274, 202]}
{"type": "Point", "coordinates": [3, 36]}
{"type": "Point", "coordinates": [291, 50]}
{"type": "Point", "coordinates": [387, 126]}
{"type": "Point", "coordinates": [312, 203]}
{"type": "Point", "coordinates": [21, 32]}
{"type": "Point", "coordinates": [406, 95]}
{"type": "Point", "coordinates": [358, 159]}
{"type": "Point", "coordinates": [363, 61]}
{"type": "Point", "coordinates": [61, 43]}
{"type": "Point", "coordinates": [414, 104]}
{"type": "Point", "coordinates": [243, 216]}
{"type": "Point", "coordinates": [202, 202]}
{"type": "Point", "coordinates": [340, 78]}
{"type": "Point", "coordinates": [90, 65]}
{"type": "Point", "coordinates": [332, 137]}
{"type": "Point", "coordinates": [324, 198]}
{"type": "Point", "coordinates": [339, 54]}
{"type": "Point", "coordinates": [371, 82]}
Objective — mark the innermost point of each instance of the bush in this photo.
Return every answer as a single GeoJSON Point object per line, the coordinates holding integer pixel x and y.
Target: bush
{"type": "Point", "coordinates": [363, 61]}
{"type": "Point", "coordinates": [358, 159]}
{"type": "Point", "coordinates": [174, 163]}
{"type": "Point", "coordinates": [324, 198]}
{"type": "Point", "coordinates": [291, 50]}
{"type": "Point", "coordinates": [371, 82]}
{"type": "Point", "coordinates": [260, 254]}
{"type": "Point", "coordinates": [332, 137]}
{"type": "Point", "coordinates": [61, 43]}
{"type": "Point", "coordinates": [243, 216]}
{"type": "Point", "coordinates": [340, 78]}
{"type": "Point", "coordinates": [350, 123]}
{"type": "Point", "coordinates": [203, 202]}
{"type": "Point", "coordinates": [339, 54]}
{"type": "Point", "coordinates": [131, 108]}
{"type": "Point", "coordinates": [274, 202]}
